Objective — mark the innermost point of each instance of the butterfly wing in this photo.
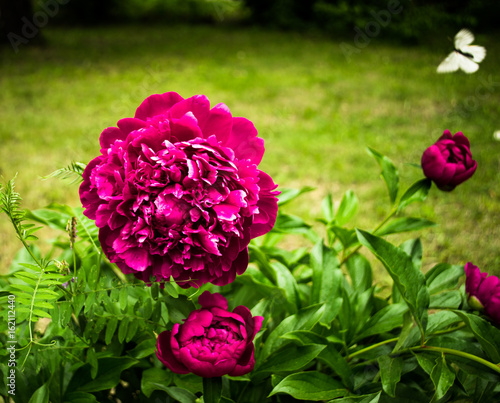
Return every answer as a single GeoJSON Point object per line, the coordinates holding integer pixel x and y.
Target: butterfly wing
{"type": "Point", "coordinates": [467, 64]}
{"type": "Point", "coordinates": [478, 53]}
{"type": "Point", "coordinates": [463, 38]}
{"type": "Point", "coordinates": [450, 64]}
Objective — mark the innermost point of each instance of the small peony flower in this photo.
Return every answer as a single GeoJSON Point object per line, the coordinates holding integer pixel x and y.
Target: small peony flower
{"type": "Point", "coordinates": [176, 191]}
{"type": "Point", "coordinates": [449, 161]}
{"type": "Point", "coordinates": [211, 342]}
{"type": "Point", "coordinates": [483, 291]}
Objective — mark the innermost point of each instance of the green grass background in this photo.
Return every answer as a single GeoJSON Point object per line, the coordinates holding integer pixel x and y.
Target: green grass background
{"type": "Point", "coordinates": [316, 111]}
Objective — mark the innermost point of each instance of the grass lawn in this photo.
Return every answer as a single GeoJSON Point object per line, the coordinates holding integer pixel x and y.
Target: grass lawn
{"type": "Point", "coordinates": [316, 111]}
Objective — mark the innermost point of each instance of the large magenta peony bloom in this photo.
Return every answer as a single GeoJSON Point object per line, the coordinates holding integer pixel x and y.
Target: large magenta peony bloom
{"type": "Point", "coordinates": [212, 341]}
{"type": "Point", "coordinates": [176, 191]}
{"type": "Point", "coordinates": [449, 161]}
{"type": "Point", "coordinates": [483, 291]}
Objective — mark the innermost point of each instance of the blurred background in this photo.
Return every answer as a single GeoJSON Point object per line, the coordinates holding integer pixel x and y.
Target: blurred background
{"type": "Point", "coordinates": [321, 80]}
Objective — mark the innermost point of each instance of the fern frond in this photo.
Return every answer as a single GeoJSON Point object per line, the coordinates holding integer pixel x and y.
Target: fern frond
{"type": "Point", "coordinates": [10, 202]}
{"type": "Point", "coordinates": [73, 170]}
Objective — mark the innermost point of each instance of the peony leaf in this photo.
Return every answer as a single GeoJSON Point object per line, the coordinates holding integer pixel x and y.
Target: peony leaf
{"type": "Point", "coordinates": [360, 272]}
{"type": "Point", "coordinates": [151, 377]}
{"type": "Point", "coordinates": [327, 276]}
{"type": "Point", "coordinates": [372, 398]}
{"type": "Point", "coordinates": [390, 373]}
{"type": "Point", "coordinates": [305, 319]}
{"type": "Point", "coordinates": [347, 208]}
{"type": "Point", "coordinates": [389, 173]}
{"type": "Point", "coordinates": [443, 276]}
{"type": "Point", "coordinates": [415, 193]}
{"type": "Point", "coordinates": [312, 385]}
{"type": "Point", "coordinates": [405, 224]}
{"type": "Point", "coordinates": [328, 208]}
{"type": "Point", "coordinates": [41, 395]}
{"type": "Point", "coordinates": [287, 194]}
{"type": "Point", "coordinates": [408, 279]}
{"type": "Point", "coordinates": [289, 358]}
{"type": "Point", "coordinates": [384, 320]}
{"type": "Point", "coordinates": [442, 377]}
{"type": "Point", "coordinates": [487, 335]}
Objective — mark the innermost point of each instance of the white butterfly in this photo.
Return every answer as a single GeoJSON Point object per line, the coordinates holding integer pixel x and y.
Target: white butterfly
{"type": "Point", "coordinates": [465, 56]}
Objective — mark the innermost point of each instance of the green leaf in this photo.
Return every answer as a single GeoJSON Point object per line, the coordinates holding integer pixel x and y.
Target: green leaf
{"type": "Point", "coordinates": [290, 358]}
{"type": "Point", "coordinates": [372, 398]}
{"type": "Point", "coordinates": [123, 328]}
{"type": "Point", "coordinates": [360, 272]}
{"type": "Point", "coordinates": [446, 300]}
{"type": "Point", "coordinates": [305, 319]}
{"type": "Point", "coordinates": [132, 330]}
{"type": "Point", "coordinates": [170, 289]}
{"type": "Point", "coordinates": [212, 389]}
{"type": "Point", "coordinates": [389, 173]}
{"type": "Point", "coordinates": [152, 377]}
{"type": "Point", "coordinates": [41, 314]}
{"type": "Point", "coordinates": [384, 320]}
{"type": "Point", "coordinates": [287, 194]}
{"type": "Point", "coordinates": [312, 385]}
{"type": "Point", "coordinates": [405, 224]}
{"type": "Point", "coordinates": [327, 208]}
{"type": "Point", "coordinates": [123, 299]}
{"type": "Point", "coordinates": [79, 397]}
{"type": "Point", "coordinates": [92, 360]}
{"type": "Point", "coordinates": [110, 329]}
{"type": "Point", "coordinates": [144, 349]}
{"type": "Point", "coordinates": [78, 303]}
{"type": "Point", "coordinates": [347, 208]}
{"type": "Point", "coordinates": [442, 377]}
{"type": "Point", "coordinates": [337, 363]}
{"type": "Point", "coordinates": [416, 193]}
{"type": "Point", "coordinates": [108, 376]}
{"type": "Point", "coordinates": [23, 287]}
{"type": "Point", "coordinates": [487, 335]}
{"type": "Point", "coordinates": [443, 276]}
{"type": "Point", "coordinates": [390, 373]}
{"type": "Point", "coordinates": [286, 281]}
{"type": "Point", "coordinates": [408, 279]}
{"type": "Point", "coordinates": [327, 276]}
{"type": "Point", "coordinates": [41, 395]}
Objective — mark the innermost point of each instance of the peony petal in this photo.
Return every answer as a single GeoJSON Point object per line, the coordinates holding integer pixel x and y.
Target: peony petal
{"type": "Point", "coordinates": [218, 123]}
{"type": "Point", "coordinates": [244, 142]}
{"type": "Point", "coordinates": [198, 105]}
{"type": "Point", "coordinates": [209, 300]}
{"type": "Point", "coordinates": [110, 135]}
{"type": "Point", "coordinates": [165, 355]}
{"type": "Point", "coordinates": [128, 125]}
{"type": "Point", "coordinates": [157, 104]}
{"type": "Point", "coordinates": [246, 362]}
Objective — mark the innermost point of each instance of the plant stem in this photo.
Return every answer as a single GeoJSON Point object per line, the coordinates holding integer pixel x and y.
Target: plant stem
{"type": "Point", "coordinates": [364, 350]}
{"type": "Point", "coordinates": [472, 357]}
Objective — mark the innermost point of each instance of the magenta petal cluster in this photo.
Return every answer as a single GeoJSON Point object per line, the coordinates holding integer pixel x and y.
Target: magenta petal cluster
{"type": "Point", "coordinates": [212, 341]}
{"type": "Point", "coordinates": [483, 291]}
{"type": "Point", "coordinates": [176, 191]}
{"type": "Point", "coordinates": [449, 161]}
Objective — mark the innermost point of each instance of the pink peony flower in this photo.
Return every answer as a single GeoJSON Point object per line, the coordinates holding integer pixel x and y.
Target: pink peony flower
{"type": "Point", "coordinates": [212, 341]}
{"type": "Point", "coordinates": [483, 291]}
{"type": "Point", "coordinates": [449, 161]}
{"type": "Point", "coordinates": [176, 191]}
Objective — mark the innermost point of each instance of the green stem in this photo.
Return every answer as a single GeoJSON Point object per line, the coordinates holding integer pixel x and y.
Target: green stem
{"type": "Point", "coordinates": [364, 350]}
{"type": "Point", "coordinates": [472, 357]}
